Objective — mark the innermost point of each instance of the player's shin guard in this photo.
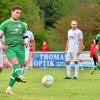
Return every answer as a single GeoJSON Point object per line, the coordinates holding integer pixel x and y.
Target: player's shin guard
{"type": "Point", "coordinates": [76, 70]}
{"type": "Point", "coordinates": [11, 81]}
{"type": "Point", "coordinates": [17, 69]}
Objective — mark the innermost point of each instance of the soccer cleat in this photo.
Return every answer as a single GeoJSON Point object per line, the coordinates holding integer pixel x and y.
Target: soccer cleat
{"type": "Point", "coordinates": [67, 77]}
{"type": "Point", "coordinates": [82, 69]}
{"type": "Point", "coordinates": [9, 91]}
{"type": "Point", "coordinates": [20, 79]}
{"type": "Point", "coordinates": [75, 78]}
{"type": "Point", "coordinates": [93, 70]}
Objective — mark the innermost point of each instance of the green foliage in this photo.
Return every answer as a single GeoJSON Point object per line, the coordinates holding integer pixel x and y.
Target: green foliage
{"type": "Point", "coordinates": [53, 37]}
{"type": "Point", "coordinates": [56, 16]}
{"type": "Point", "coordinates": [39, 38]}
{"type": "Point", "coordinates": [50, 11]}
{"type": "Point", "coordinates": [88, 17]}
{"type": "Point", "coordinates": [30, 13]}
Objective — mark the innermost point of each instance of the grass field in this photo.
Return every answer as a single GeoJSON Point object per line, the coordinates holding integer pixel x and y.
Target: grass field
{"type": "Point", "coordinates": [87, 87]}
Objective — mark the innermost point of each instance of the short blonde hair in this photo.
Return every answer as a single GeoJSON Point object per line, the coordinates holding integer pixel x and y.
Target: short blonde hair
{"type": "Point", "coordinates": [73, 21]}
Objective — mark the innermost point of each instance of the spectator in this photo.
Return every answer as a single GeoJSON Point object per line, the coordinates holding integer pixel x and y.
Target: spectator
{"type": "Point", "coordinates": [44, 47]}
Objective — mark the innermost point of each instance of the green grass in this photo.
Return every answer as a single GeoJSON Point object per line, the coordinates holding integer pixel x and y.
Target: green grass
{"type": "Point", "coordinates": [87, 87]}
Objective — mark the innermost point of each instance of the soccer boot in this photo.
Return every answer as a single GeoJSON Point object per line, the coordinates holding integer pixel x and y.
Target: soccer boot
{"type": "Point", "coordinates": [75, 78]}
{"type": "Point", "coordinates": [20, 79]}
{"type": "Point", "coordinates": [67, 77]}
{"type": "Point", "coordinates": [9, 91]}
{"type": "Point", "coordinates": [93, 70]}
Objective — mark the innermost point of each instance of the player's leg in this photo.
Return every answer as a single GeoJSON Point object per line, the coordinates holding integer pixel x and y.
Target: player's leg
{"type": "Point", "coordinates": [68, 66]}
{"type": "Point", "coordinates": [30, 59]}
{"type": "Point", "coordinates": [95, 63]}
{"type": "Point", "coordinates": [75, 58]}
{"type": "Point", "coordinates": [1, 62]}
{"type": "Point", "coordinates": [26, 60]}
{"type": "Point", "coordinates": [11, 83]}
{"type": "Point", "coordinates": [80, 62]}
{"type": "Point", "coordinates": [27, 56]}
{"type": "Point", "coordinates": [21, 57]}
{"type": "Point", "coordinates": [11, 55]}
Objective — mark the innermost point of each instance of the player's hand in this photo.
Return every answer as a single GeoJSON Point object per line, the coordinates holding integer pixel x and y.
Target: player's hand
{"type": "Point", "coordinates": [32, 53]}
{"type": "Point", "coordinates": [4, 47]}
{"type": "Point", "coordinates": [65, 51]}
{"type": "Point", "coordinates": [79, 52]}
{"type": "Point", "coordinates": [26, 45]}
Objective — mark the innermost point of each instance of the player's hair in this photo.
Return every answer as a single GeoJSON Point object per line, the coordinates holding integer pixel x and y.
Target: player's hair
{"type": "Point", "coordinates": [16, 7]}
{"type": "Point", "coordinates": [73, 21]}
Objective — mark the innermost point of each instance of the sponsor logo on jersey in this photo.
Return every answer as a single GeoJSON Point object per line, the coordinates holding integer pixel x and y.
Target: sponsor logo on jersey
{"type": "Point", "coordinates": [19, 25]}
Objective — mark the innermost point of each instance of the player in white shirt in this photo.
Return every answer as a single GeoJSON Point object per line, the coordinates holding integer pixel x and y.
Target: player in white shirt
{"type": "Point", "coordinates": [31, 41]}
{"type": "Point", "coordinates": [73, 49]}
{"type": "Point", "coordinates": [2, 47]}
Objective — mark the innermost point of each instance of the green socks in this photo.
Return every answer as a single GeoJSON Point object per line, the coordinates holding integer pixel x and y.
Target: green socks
{"type": "Point", "coordinates": [16, 72]}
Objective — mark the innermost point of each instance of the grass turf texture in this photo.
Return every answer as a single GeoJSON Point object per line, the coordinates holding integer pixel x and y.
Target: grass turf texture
{"type": "Point", "coordinates": [87, 87]}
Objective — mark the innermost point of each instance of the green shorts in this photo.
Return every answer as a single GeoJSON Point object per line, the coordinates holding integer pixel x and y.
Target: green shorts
{"type": "Point", "coordinates": [16, 52]}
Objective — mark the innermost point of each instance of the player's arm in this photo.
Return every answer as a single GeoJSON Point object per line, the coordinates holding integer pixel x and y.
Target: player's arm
{"type": "Point", "coordinates": [25, 37]}
{"type": "Point", "coordinates": [67, 42]}
{"type": "Point", "coordinates": [32, 43]}
{"type": "Point", "coordinates": [80, 46]}
{"type": "Point", "coordinates": [80, 43]}
{"type": "Point", "coordinates": [2, 29]}
{"type": "Point", "coordinates": [66, 48]}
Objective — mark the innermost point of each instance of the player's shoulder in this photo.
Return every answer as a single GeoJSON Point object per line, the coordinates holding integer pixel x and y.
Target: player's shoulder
{"type": "Point", "coordinates": [98, 35]}
{"type": "Point", "coordinates": [6, 22]}
{"type": "Point", "coordinates": [70, 30]}
{"type": "Point", "coordinates": [29, 32]}
{"type": "Point", "coordinates": [78, 30]}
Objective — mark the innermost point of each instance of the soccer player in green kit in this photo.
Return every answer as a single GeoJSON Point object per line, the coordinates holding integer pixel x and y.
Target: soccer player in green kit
{"type": "Point", "coordinates": [14, 30]}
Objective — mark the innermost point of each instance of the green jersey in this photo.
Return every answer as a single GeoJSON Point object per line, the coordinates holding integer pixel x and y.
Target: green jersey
{"type": "Point", "coordinates": [13, 32]}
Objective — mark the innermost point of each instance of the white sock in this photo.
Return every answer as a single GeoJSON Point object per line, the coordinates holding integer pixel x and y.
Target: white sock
{"type": "Point", "coordinates": [9, 88]}
{"type": "Point", "coordinates": [24, 70]}
{"type": "Point", "coordinates": [68, 69]}
{"type": "Point", "coordinates": [76, 70]}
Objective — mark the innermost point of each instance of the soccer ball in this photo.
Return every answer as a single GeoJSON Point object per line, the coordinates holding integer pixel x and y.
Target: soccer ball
{"type": "Point", "coordinates": [47, 80]}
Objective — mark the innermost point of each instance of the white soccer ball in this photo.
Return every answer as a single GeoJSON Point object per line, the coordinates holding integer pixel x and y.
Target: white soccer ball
{"type": "Point", "coordinates": [47, 80]}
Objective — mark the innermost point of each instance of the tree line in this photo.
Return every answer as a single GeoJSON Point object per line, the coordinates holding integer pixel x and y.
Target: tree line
{"type": "Point", "coordinates": [49, 20]}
